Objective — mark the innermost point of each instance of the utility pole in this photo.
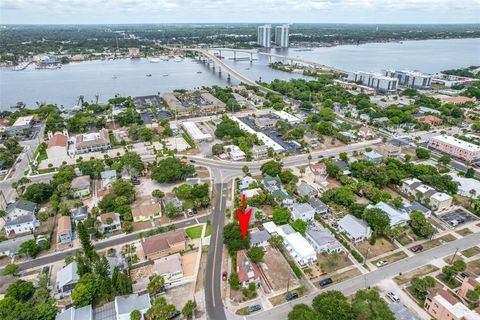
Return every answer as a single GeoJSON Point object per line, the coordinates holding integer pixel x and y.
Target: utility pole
{"type": "Point", "coordinates": [453, 258]}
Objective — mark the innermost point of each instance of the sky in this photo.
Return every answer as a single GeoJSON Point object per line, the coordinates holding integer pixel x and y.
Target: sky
{"type": "Point", "coordinates": [209, 11]}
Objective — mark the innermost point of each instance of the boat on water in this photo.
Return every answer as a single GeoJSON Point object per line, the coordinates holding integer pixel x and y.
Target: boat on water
{"type": "Point", "coordinates": [165, 74]}
{"type": "Point", "coordinates": [114, 77]}
{"type": "Point", "coordinates": [199, 72]}
{"type": "Point", "coordinates": [154, 60]}
{"type": "Point", "coordinates": [49, 66]}
{"type": "Point", "coordinates": [178, 59]}
{"type": "Point", "coordinates": [148, 75]}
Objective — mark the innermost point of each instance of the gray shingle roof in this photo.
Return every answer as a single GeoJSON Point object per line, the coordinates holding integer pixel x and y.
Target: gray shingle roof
{"type": "Point", "coordinates": [22, 205]}
{"type": "Point", "coordinates": [13, 245]}
{"type": "Point", "coordinates": [259, 237]}
{"type": "Point", "coordinates": [126, 304]}
{"type": "Point", "coordinates": [318, 205]}
{"type": "Point", "coordinates": [20, 220]}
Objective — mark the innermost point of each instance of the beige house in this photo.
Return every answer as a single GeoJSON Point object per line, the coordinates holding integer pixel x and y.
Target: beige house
{"type": "Point", "coordinates": [81, 186]}
{"type": "Point", "coordinates": [390, 151]}
{"type": "Point", "coordinates": [147, 212]}
{"type": "Point", "coordinates": [442, 305]}
{"type": "Point", "coordinates": [169, 267]}
{"type": "Point", "coordinates": [164, 244]}
{"type": "Point", "coordinates": [469, 283]}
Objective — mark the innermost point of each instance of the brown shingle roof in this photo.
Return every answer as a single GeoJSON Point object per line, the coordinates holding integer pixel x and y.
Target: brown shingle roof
{"type": "Point", "coordinates": [146, 210]}
{"type": "Point", "coordinates": [445, 294]}
{"type": "Point", "coordinates": [80, 182]}
{"type": "Point", "coordinates": [163, 241]}
{"type": "Point", "coordinates": [64, 224]}
{"type": "Point", "coordinates": [58, 140]}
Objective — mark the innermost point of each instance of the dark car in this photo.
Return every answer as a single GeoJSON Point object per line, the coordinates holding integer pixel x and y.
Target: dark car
{"type": "Point", "coordinates": [46, 269]}
{"type": "Point", "coordinates": [292, 295]}
{"type": "Point", "coordinates": [135, 181]}
{"type": "Point", "coordinates": [224, 275]}
{"type": "Point", "coordinates": [326, 282]}
{"type": "Point", "coordinates": [464, 274]}
{"type": "Point", "coordinates": [416, 248]}
{"type": "Point", "coordinates": [255, 307]}
{"type": "Point", "coordinates": [193, 161]}
{"type": "Point", "coordinates": [176, 315]}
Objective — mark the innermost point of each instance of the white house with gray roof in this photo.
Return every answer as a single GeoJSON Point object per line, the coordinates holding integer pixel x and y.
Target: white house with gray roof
{"type": "Point", "coordinates": [318, 205]}
{"type": "Point", "coordinates": [67, 278]}
{"type": "Point", "coordinates": [259, 238]}
{"type": "Point", "coordinates": [20, 208]}
{"type": "Point", "coordinates": [398, 217]}
{"type": "Point", "coordinates": [83, 313]}
{"type": "Point", "coordinates": [322, 240]}
{"type": "Point", "coordinates": [355, 229]}
{"type": "Point", "coordinates": [246, 182]}
{"type": "Point", "coordinates": [306, 190]}
{"type": "Point", "coordinates": [11, 247]}
{"type": "Point", "coordinates": [21, 224]}
{"type": "Point", "coordinates": [302, 211]}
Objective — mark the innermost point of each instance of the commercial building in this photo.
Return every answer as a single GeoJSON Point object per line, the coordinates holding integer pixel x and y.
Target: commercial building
{"type": "Point", "coordinates": [91, 142]}
{"type": "Point", "coordinates": [265, 122]}
{"type": "Point", "coordinates": [264, 35]}
{"type": "Point", "coordinates": [430, 120]}
{"type": "Point", "coordinates": [21, 126]}
{"type": "Point", "coordinates": [287, 117]}
{"type": "Point", "coordinates": [164, 244]}
{"type": "Point", "coordinates": [356, 229]}
{"type": "Point", "coordinates": [282, 36]}
{"type": "Point", "coordinates": [268, 142]}
{"type": "Point", "coordinates": [469, 283]}
{"type": "Point", "coordinates": [455, 147]}
{"type": "Point", "coordinates": [259, 152]}
{"type": "Point", "coordinates": [390, 151]}
{"type": "Point", "coordinates": [374, 80]}
{"type": "Point", "coordinates": [412, 79]}
{"type": "Point", "coordinates": [57, 147]}
{"type": "Point", "coordinates": [134, 52]}
{"type": "Point", "coordinates": [442, 305]}
{"type": "Point", "coordinates": [195, 133]}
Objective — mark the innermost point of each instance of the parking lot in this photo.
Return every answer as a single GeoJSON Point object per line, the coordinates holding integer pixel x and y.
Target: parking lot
{"type": "Point", "coordinates": [457, 217]}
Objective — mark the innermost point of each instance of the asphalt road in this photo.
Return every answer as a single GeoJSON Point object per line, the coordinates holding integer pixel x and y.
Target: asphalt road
{"type": "Point", "coordinates": [118, 240]}
{"type": "Point", "coordinates": [372, 278]}
{"type": "Point", "coordinates": [213, 274]}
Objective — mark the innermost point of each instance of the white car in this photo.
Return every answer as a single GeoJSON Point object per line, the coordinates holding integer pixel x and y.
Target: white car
{"type": "Point", "coordinates": [381, 263]}
{"type": "Point", "coordinates": [393, 297]}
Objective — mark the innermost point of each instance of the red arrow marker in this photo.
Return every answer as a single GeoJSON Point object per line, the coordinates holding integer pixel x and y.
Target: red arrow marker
{"type": "Point", "coordinates": [244, 217]}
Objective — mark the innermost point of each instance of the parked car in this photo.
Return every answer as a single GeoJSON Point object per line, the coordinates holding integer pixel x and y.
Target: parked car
{"type": "Point", "coordinates": [190, 213]}
{"type": "Point", "coordinates": [255, 307]}
{"type": "Point", "coordinates": [46, 269]}
{"type": "Point", "coordinates": [176, 315]}
{"type": "Point", "coordinates": [393, 297]}
{"type": "Point", "coordinates": [292, 295]}
{"type": "Point", "coordinates": [135, 181]}
{"type": "Point", "coordinates": [381, 263]}
{"type": "Point", "coordinates": [193, 161]}
{"type": "Point", "coordinates": [326, 282]}
{"type": "Point", "coordinates": [464, 274]}
{"type": "Point", "coordinates": [224, 275]}
{"type": "Point", "coordinates": [195, 211]}
{"type": "Point", "coordinates": [416, 248]}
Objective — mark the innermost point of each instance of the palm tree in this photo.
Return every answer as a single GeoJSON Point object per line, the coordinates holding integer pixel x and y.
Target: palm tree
{"type": "Point", "coordinates": [3, 214]}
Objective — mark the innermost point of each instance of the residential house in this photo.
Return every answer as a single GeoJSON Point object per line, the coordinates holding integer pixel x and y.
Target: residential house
{"type": "Point", "coordinates": [64, 230]}
{"type": "Point", "coordinates": [259, 152]}
{"type": "Point", "coordinates": [306, 190]}
{"type": "Point", "coordinates": [107, 178]}
{"type": "Point", "coordinates": [250, 193]}
{"type": "Point", "coordinates": [164, 244]}
{"type": "Point", "coordinates": [440, 201]}
{"type": "Point", "coordinates": [147, 212]}
{"type": "Point", "coordinates": [21, 208]}
{"type": "Point", "coordinates": [72, 313]}
{"type": "Point", "coordinates": [303, 211]}
{"type": "Point", "coordinates": [318, 171]}
{"type": "Point", "coordinates": [91, 142]}
{"type": "Point", "coordinates": [390, 151]}
{"type": "Point", "coordinates": [247, 271]}
{"type": "Point", "coordinates": [398, 217]}
{"type": "Point", "coordinates": [81, 186]}
{"type": "Point", "coordinates": [282, 197]}
{"type": "Point", "coordinates": [365, 133]}
{"type": "Point", "coordinates": [67, 278]}
{"type": "Point", "coordinates": [246, 182]}
{"type": "Point", "coordinates": [442, 305]}
{"type": "Point", "coordinates": [11, 247]}
{"type": "Point", "coordinates": [410, 185]}
{"type": "Point", "coordinates": [469, 283]}
{"type": "Point", "coordinates": [364, 117]}
{"type": "Point", "coordinates": [417, 206]}
{"type": "Point", "coordinates": [79, 214]}
{"type": "Point", "coordinates": [259, 238]}
{"type": "Point", "coordinates": [272, 183]}
{"type": "Point", "coordinates": [319, 207]}
{"type": "Point", "coordinates": [116, 260]}
{"type": "Point", "coordinates": [355, 229]}
{"type": "Point", "coordinates": [234, 152]}
{"type": "Point", "coordinates": [343, 166]}
{"type": "Point", "coordinates": [300, 249]}
{"type": "Point", "coordinates": [124, 305]}
{"type": "Point", "coordinates": [373, 157]}
{"type": "Point", "coordinates": [466, 185]}
{"type": "Point", "coordinates": [169, 267]}
{"type": "Point", "coordinates": [430, 120]}
{"type": "Point", "coordinates": [21, 224]}
{"type": "Point", "coordinates": [174, 202]}
{"type": "Point", "coordinates": [109, 222]}
{"type": "Point", "coordinates": [322, 240]}
{"type": "Point", "coordinates": [57, 147]}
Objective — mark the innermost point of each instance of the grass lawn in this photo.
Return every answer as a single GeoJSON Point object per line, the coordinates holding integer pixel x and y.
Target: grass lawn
{"type": "Point", "coordinates": [242, 311]}
{"type": "Point", "coordinates": [380, 247]}
{"type": "Point", "coordinates": [473, 267]}
{"type": "Point", "coordinates": [422, 271]}
{"type": "Point", "coordinates": [392, 258]}
{"type": "Point", "coordinates": [452, 283]}
{"type": "Point", "coordinates": [329, 262]}
{"type": "Point", "coordinates": [208, 231]}
{"type": "Point", "coordinates": [471, 252]}
{"type": "Point", "coordinates": [194, 232]}
{"type": "Point", "coordinates": [464, 232]}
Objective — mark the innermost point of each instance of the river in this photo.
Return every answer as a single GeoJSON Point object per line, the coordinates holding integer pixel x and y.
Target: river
{"type": "Point", "coordinates": [128, 77]}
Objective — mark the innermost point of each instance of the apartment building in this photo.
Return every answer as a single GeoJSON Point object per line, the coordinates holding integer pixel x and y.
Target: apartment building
{"type": "Point", "coordinates": [455, 147]}
{"type": "Point", "coordinates": [412, 79]}
{"type": "Point", "coordinates": [264, 35]}
{"type": "Point", "coordinates": [442, 305]}
{"type": "Point", "coordinates": [374, 80]}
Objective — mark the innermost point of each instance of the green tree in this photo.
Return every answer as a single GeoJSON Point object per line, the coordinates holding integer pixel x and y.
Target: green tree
{"type": "Point", "coordinates": [377, 219]}
{"type": "Point", "coordinates": [38, 192]}
{"type": "Point", "coordinates": [232, 238]}
{"type": "Point", "coordinates": [157, 193]}
{"type": "Point", "coordinates": [20, 290]}
{"type": "Point", "coordinates": [157, 284]}
{"type": "Point", "coordinates": [343, 156]}
{"type": "Point", "coordinates": [445, 160]}
{"type": "Point", "coordinates": [233, 281]}
{"type": "Point", "coordinates": [217, 149]}
{"type": "Point", "coordinates": [368, 304]}
{"type": "Point", "coordinates": [422, 153]}
{"type": "Point", "coordinates": [135, 315]}
{"type": "Point", "coordinates": [470, 173]}
{"type": "Point", "coordinates": [188, 309]}
{"type": "Point", "coordinates": [272, 168]}
{"type": "Point", "coordinates": [302, 312]}
{"type": "Point", "coordinates": [84, 238]}
{"type": "Point", "coordinates": [85, 291]}
{"type": "Point", "coordinates": [280, 215]}
{"type": "Point", "coordinates": [421, 286]}
{"type": "Point", "coordinates": [171, 170]}
{"type": "Point", "coordinates": [161, 310]}
{"type": "Point", "coordinates": [420, 224]}
{"type": "Point", "coordinates": [300, 226]}
{"type": "Point", "coordinates": [30, 248]}
{"type": "Point", "coordinates": [10, 269]}
{"type": "Point", "coordinates": [255, 254]}
{"type": "Point", "coordinates": [332, 305]}
{"type": "Point", "coordinates": [276, 241]}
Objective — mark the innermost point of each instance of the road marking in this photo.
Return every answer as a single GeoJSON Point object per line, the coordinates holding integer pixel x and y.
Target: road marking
{"type": "Point", "coordinates": [213, 271]}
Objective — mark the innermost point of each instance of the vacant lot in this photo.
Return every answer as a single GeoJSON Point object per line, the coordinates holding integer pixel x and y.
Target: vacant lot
{"type": "Point", "coordinates": [473, 267]}
{"type": "Point", "coordinates": [465, 232]}
{"type": "Point", "coordinates": [333, 262]}
{"type": "Point", "coordinates": [392, 258]}
{"type": "Point", "coordinates": [422, 271]}
{"type": "Point", "coordinates": [281, 298]}
{"type": "Point", "coordinates": [380, 247]}
{"type": "Point", "coordinates": [436, 242]}
{"type": "Point", "coordinates": [277, 270]}
{"type": "Point", "coordinates": [471, 252]}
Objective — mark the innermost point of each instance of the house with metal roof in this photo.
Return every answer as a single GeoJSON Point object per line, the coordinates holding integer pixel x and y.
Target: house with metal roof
{"type": "Point", "coordinates": [20, 208]}
{"type": "Point", "coordinates": [11, 247]}
{"type": "Point", "coordinates": [67, 278]}
{"type": "Point", "coordinates": [79, 214]}
{"type": "Point", "coordinates": [259, 238]}
{"type": "Point", "coordinates": [322, 240]}
{"type": "Point", "coordinates": [107, 178]}
{"type": "Point", "coordinates": [318, 205]}
{"type": "Point", "coordinates": [398, 217]}
{"type": "Point", "coordinates": [124, 305]}
{"type": "Point", "coordinates": [303, 211]}
{"type": "Point", "coordinates": [355, 229]}
{"type": "Point", "coordinates": [245, 182]}
{"type": "Point", "coordinates": [306, 190]}
{"type": "Point", "coordinates": [72, 313]}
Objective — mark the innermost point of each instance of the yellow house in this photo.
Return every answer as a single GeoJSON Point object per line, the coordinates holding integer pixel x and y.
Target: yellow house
{"type": "Point", "coordinates": [147, 212]}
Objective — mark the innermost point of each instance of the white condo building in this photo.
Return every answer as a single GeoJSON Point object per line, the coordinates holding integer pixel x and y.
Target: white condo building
{"type": "Point", "coordinates": [412, 79]}
{"type": "Point", "coordinates": [264, 35]}
{"type": "Point", "coordinates": [455, 147]}
{"type": "Point", "coordinates": [374, 80]}
{"type": "Point", "coordinates": [282, 36]}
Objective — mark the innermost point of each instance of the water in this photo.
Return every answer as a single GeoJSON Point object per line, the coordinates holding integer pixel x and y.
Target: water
{"type": "Point", "coordinates": [64, 86]}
